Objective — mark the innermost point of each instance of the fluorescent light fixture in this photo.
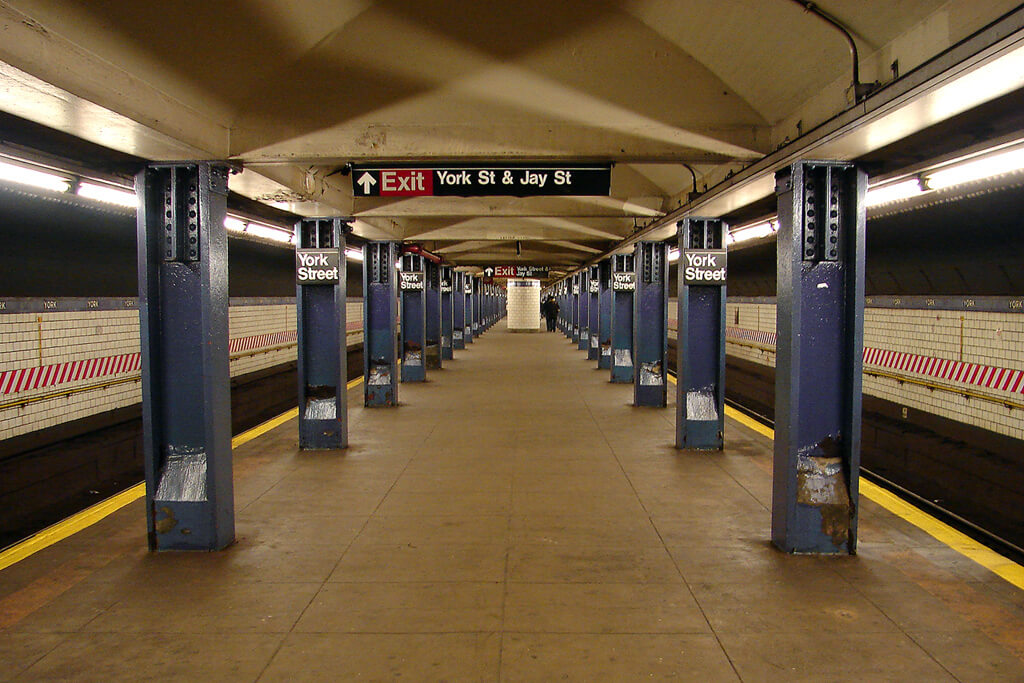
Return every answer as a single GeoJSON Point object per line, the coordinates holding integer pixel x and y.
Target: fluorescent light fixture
{"type": "Point", "coordinates": [354, 254]}
{"type": "Point", "coordinates": [269, 232]}
{"type": "Point", "coordinates": [28, 176]}
{"type": "Point", "coordinates": [673, 255]}
{"type": "Point", "coordinates": [753, 231]}
{"type": "Point", "coordinates": [893, 192]}
{"type": "Point", "coordinates": [108, 194]}
{"type": "Point", "coordinates": [234, 224]}
{"type": "Point", "coordinates": [978, 169]}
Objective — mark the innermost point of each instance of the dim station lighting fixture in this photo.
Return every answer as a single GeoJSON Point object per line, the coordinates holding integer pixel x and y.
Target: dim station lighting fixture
{"type": "Point", "coordinates": [754, 230]}
{"type": "Point", "coordinates": [27, 176]}
{"type": "Point", "coordinates": [893, 192]}
{"type": "Point", "coordinates": [977, 169]}
{"type": "Point", "coordinates": [108, 194]}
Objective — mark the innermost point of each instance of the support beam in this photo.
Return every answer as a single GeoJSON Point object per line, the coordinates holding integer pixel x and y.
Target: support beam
{"type": "Point", "coordinates": [458, 299]}
{"type": "Point", "coordinates": [432, 356]}
{"type": "Point", "coordinates": [322, 348]}
{"type": "Point", "coordinates": [186, 383]}
{"type": "Point", "coordinates": [413, 339]}
{"type": "Point", "coordinates": [467, 284]}
{"type": "Point", "coordinates": [574, 305]}
{"type": "Point", "coordinates": [700, 335]}
{"type": "Point", "coordinates": [583, 342]}
{"type": "Point", "coordinates": [819, 357]}
{"type": "Point", "coordinates": [380, 315]}
{"type": "Point", "coordinates": [594, 313]}
{"type": "Point", "coordinates": [623, 290]}
{"type": "Point", "coordinates": [650, 324]}
{"type": "Point", "coordinates": [604, 332]}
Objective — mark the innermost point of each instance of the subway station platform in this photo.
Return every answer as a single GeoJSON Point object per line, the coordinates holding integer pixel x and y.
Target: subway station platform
{"type": "Point", "coordinates": [515, 519]}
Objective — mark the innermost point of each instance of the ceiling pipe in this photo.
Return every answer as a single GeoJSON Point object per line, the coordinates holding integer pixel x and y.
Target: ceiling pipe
{"type": "Point", "coordinates": [860, 90]}
{"type": "Point", "coordinates": [695, 192]}
{"type": "Point", "coordinates": [417, 249]}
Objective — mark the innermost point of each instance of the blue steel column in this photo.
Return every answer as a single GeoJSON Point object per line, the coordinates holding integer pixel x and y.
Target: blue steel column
{"type": "Point", "coordinates": [432, 354]}
{"type": "Point", "coordinates": [186, 383]}
{"type": "Point", "coordinates": [322, 351]}
{"type": "Point", "coordinates": [583, 342]}
{"type": "Point", "coordinates": [413, 339]}
{"type": "Point", "coordinates": [467, 283]}
{"type": "Point", "coordinates": [700, 340]}
{"type": "Point", "coordinates": [380, 323]}
{"type": "Point", "coordinates": [819, 363]}
{"type": "Point", "coordinates": [478, 285]}
{"type": "Point", "coordinates": [650, 324]}
{"type": "Point", "coordinates": [623, 290]}
{"type": "Point", "coordinates": [594, 312]}
{"type": "Point", "coordinates": [604, 331]}
{"type": "Point", "coordinates": [447, 314]}
{"type": "Point", "coordinates": [458, 299]}
{"type": "Point", "coordinates": [562, 306]}
{"type": "Point", "coordinates": [574, 305]}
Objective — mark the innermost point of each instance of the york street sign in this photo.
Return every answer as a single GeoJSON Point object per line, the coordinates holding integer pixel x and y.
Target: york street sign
{"type": "Point", "coordinates": [481, 181]}
{"type": "Point", "coordinates": [704, 266]}
{"type": "Point", "coordinates": [624, 282]}
{"type": "Point", "coordinates": [412, 281]}
{"type": "Point", "coordinates": [317, 266]}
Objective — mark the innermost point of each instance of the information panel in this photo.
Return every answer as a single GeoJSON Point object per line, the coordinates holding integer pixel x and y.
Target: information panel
{"type": "Point", "coordinates": [478, 181]}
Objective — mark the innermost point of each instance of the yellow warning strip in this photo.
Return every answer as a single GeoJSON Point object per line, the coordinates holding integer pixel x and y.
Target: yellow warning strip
{"type": "Point", "coordinates": [89, 516]}
{"type": "Point", "coordinates": [942, 532]}
{"type": "Point", "coordinates": [69, 526]}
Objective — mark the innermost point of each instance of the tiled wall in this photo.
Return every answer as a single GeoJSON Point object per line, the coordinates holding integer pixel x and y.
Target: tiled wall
{"type": "Point", "coordinates": [937, 347]}
{"type": "Point", "coordinates": [47, 353]}
{"type": "Point", "coordinates": [523, 304]}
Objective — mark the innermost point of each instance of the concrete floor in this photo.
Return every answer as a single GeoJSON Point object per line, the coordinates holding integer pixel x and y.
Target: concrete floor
{"type": "Point", "coordinates": [515, 519]}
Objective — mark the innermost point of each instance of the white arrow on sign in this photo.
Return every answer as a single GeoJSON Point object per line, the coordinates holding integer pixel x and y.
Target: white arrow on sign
{"type": "Point", "coordinates": [488, 272]}
{"type": "Point", "coordinates": [367, 181]}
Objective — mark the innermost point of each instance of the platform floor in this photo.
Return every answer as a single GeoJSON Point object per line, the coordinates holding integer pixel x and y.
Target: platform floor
{"type": "Point", "coordinates": [516, 519]}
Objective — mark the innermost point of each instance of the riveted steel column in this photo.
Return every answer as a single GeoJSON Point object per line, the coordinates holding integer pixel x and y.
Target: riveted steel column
{"type": "Point", "coordinates": [458, 299]}
{"type": "Point", "coordinates": [467, 284]}
{"type": "Point", "coordinates": [478, 286]}
{"type": "Point", "coordinates": [563, 307]}
{"type": "Point", "coordinates": [604, 331]}
{"type": "Point", "coordinates": [413, 339]}
{"type": "Point", "coordinates": [623, 290]}
{"type": "Point", "coordinates": [322, 351]}
{"type": "Point", "coordinates": [380, 322]}
{"type": "Point", "coordinates": [432, 356]}
{"type": "Point", "coordinates": [583, 343]}
{"type": "Point", "coordinates": [186, 383]}
{"type": "Point", "coordinates": [594, 313]}
{"type": "Point", "coordinates": [700, 338]}
{"type": "Point", "coordinates": [819, 357]}
{"type": "Point", "coordinates": [650, 324]}
{"type": "Point", "coordinates": [574, 304]}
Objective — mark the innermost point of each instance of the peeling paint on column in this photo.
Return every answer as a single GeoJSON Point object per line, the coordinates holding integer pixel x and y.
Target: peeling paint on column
{"type": "Point", "coordinates": [821, 483]}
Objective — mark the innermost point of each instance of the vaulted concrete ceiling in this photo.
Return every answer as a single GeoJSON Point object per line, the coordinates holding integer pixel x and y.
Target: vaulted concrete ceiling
{"type": "Point", "coordinates": [296, 90]}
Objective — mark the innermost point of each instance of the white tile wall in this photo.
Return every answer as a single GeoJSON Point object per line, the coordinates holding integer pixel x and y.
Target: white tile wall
{"type": "Point", "coordinates": [523, 305]}
{"type": "Point", "coordinates": [976, 337]}
{"type": "Point", "coordinates": [67, 337]}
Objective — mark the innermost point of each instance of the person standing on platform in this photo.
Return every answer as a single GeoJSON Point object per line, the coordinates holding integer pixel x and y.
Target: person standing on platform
{"type": "Point", "coordinates": [550, 309]}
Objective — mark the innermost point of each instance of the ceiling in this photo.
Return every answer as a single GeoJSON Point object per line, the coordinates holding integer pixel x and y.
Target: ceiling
{"type": "Point", "coordinates": [296, 91]}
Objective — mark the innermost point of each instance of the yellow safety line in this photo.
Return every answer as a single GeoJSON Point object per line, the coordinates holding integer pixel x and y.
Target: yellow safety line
{"type": "Point", "coordinates": [89, 516]}
{"type": "Point", "coordinates": [69, 526]}
{"type": "Point", "coordinates": [940, 531]}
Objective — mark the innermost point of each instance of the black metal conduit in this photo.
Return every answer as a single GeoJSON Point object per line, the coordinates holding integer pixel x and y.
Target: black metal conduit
{"type": "Point", "coordinates": [834, 23]}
